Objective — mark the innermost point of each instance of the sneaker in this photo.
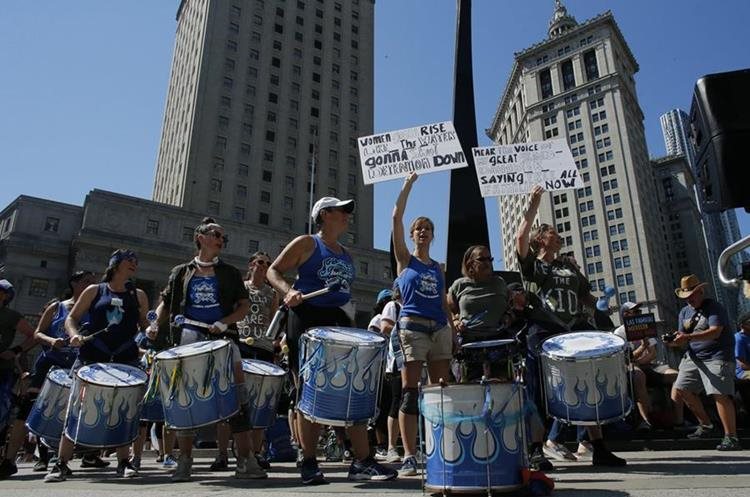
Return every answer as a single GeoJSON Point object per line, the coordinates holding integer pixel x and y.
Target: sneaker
{"type": "Point", "coordinates": [557, 451]}
{"type": "Point", "coordinates": [310, 473]}
{"type": "Point", "coordinates": [537, 460]}
{"type": "Point", "coordinates": [644, 427]}
{"type": "Point", "coordinates": [182, 472]}
{"type": "Point", "coordinates": [136, 462]}
{"type": "Point", "coordinates": [221, 463]}
{"type": "Point", "coordinates": [393, 456]}
{"type": "Point", "coordinates": [603, 457]}
{"type": "Point", "coordinates": [7, 468]}
{"type": "Point", "coordinates": [729, 443]}
{"type": "Point", "coordinates": [170, 463]}
{"type": "Point", "coordinates": [126, 470]}
{"type": "Point", "coordinates": [381, 454]}
{"type": "Point", "coordinates": [40, 466]}
{"type": "Point", "coordinates": [347, 455]}
{"type": "Point", "coordinates": [370, 469]}
{"type": "Point", "coordinates": [409, 467]}
{"type": "Point", "coordinates": [262, 461]}
{"type": "Point", "coordinates": [93, 461]}
{"type": "Point", "coordinates": [249, 469]}
{"type": "Point", "coordinates": [585, 451]}
{"type": "Point", "coordinates": [160, 458]}
{"type": "Point", "coordinates": [58, 473]}
{"type": "Point", "coordinates": [703, 431]}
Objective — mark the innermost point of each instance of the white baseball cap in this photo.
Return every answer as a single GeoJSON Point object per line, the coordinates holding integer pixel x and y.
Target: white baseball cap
{"type": "Point", "coordinates": [328, 202]}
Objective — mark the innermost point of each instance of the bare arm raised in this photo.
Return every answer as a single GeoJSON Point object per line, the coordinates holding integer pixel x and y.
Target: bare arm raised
{"type": "Point", "coordinates": [400, 250]}
{"type": "Point", "coordinates": [522, 237]}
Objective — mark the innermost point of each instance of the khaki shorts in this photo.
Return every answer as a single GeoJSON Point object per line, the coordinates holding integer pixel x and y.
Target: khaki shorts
{"type": "Point", "coordinates": [715, 377]}
{"type": "Point", "coordinates": [426, 347]}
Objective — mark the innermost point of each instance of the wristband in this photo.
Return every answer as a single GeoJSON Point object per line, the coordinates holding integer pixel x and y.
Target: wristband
{"type": "Point", "coordinates": [221, 326]}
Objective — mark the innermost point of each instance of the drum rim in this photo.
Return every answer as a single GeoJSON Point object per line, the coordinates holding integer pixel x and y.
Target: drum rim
{"type": "Point", "coordinates": [193, 354]}
{"type": "Point", "coordinates": [90, 382]}
{"type": "Point", "coordinates": [380, 338]}
{"type": "Point", "coordinates": [471, 489]}
{"type": "Point", "coordinates": [279, 373]}
{"type": "Point", "coordinates": [430, 388]}
{"type": "Point", "coordinates": [193, 427]}
{"type": "Point", "coordinates": [53, 380]}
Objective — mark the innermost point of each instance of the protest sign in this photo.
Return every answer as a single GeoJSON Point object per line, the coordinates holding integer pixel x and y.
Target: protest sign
{"type": "Point", "coordinates": [639, 327]}
{"type": "Point", "coordinates": [515, 169]}
{"type": "Point", "coordinates": [424, 149]}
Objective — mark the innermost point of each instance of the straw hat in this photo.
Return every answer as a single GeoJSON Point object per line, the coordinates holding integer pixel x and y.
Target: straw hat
{"type": "Point", "coordinates": [688, 284]}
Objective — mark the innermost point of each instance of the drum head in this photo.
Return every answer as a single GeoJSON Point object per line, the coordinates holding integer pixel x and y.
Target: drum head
{"type": "Point", "coordinates": [59, 376]}
{"type": "Point", "coordinates": [347, 336]}
{"type": "Point", "coordinates": [112, 375]}
{"type": "Point", "coordinates": [489, 344]}
{"type": "Point", "coordinates": [583, 345]}
{"type": "Point", "coordinates": [191, 349]}
{"type": "Point", "coordinates": [261, 368]}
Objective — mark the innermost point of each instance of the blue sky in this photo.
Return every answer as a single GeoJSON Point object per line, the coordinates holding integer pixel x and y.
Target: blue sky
{"type": "Point", "coordinates": [84, 83]}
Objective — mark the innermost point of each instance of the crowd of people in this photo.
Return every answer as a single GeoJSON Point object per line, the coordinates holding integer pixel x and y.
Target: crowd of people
{"type": "Point", "coordinates": [426, 323]}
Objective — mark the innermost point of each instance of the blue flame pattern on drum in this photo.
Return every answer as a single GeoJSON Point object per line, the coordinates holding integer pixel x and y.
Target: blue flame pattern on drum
{"type": "Point", "coordinates": [340, 374]}
{"type": "Point", "coordinates": [474, 432]}
{"type": "Point", "coordinates": [105, 405]}
{"type": "Point", "coordinates": [47, 416]}
{"type": "Point", "coordinates": [264, 382]}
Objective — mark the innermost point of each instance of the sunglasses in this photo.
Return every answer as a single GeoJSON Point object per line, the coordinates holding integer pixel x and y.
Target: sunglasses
{"type": "Point", "coordinates": [261, 262]}
{"type": "Point", "coordinates": [218, 235]}
{"type": "Point", "coordinates": [484, 259]}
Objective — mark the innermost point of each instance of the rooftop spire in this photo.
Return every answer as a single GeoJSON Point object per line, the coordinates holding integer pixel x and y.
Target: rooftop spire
{"type": "Point", "coordinates": [561, 21]}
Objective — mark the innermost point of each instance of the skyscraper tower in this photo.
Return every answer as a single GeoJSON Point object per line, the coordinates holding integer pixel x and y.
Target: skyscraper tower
{"type": "Point", "coordinates": [578, 84]}
{"type": "Point", "coordinates": [259, 90]}
{"type": "Point", "coordinates": [674, 127]}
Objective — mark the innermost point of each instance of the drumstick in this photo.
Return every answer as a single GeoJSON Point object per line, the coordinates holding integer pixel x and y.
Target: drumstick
{"type": "Point", "coordinates": [273, 328]}
{"type": "Point", "coordinates": [181, 320]}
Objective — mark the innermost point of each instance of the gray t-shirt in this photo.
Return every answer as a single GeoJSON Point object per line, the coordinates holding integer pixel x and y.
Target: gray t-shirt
{"type": "Point", "coordinates": [258, 317]}
{"type": "Point", "coordinates": [482, 305]}
{"type": "Point", "coordinates": [711, 314]}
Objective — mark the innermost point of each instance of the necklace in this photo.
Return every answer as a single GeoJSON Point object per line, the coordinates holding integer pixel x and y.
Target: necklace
{"type": "Point", "coordinates": [200, 263]}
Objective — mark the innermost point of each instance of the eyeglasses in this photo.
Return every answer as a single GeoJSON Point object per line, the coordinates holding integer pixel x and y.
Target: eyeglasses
{"type": "Point", "coordinates": [218, 235]}
{"type": "Point", "coordinates": [484, 259]}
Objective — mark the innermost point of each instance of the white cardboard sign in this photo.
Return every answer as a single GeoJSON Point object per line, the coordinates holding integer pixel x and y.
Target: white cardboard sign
{"type": "Point", "coordinates": [515, 169]}
{"type": "Point", "coordinates": [424, 149]}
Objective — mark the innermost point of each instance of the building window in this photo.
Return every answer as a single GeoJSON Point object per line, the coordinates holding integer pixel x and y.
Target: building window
{"type": "Point", "coordinates": [238, 214]}
{"type": "Point", "coordinates": [187, 234]}
{"type": "Point", "coordinates": [216, 185]}
{"type": "Point", "coordinates": [569, 79]}
{"type": "Point", "coordinates": [287, 223]}
{"type": "Point", "coordinates": [39, 287]}
{"type": "Point", "coordinates": [263, 218]}
{"type": "Point", "coordinates": [545, 82]}
{"type": "Point", "coordinates": [252, 246]}
{"type": "Point", "coordinates": [152, 227]}
{"type": "Point", "coordinates": [589, 61]}
{"type": "Point", "coordinates": [52, 224]}
{"type": "Point", "coordinates": [267, 175]}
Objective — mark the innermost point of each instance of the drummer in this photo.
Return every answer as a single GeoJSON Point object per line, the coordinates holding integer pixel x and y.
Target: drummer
{"type": "Point", "coordinates": [563, 290]}
{"type": "Point", "coordinates": [477, 303]}
{"type": "Point", "coordinates": [320, 260]}
{"type": "Point", "coordinates": [120, 308]}
{"type": "Point", "coordinates": [209, 290]}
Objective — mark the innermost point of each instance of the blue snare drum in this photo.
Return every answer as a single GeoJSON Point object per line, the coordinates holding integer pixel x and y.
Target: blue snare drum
{"type": "Point", "coordinates": [47, 416]}
{"type": "Point", "coordinates": [473, 437]}
{"type": "Point", "coordinates": [585, 377]}
{"type": "Point", "coordinates": [341, 373]}
{"type": "Point", "coordinates": [105, 405]}
{"type": "Point", "coordinates": [264, 382]}
{"type": "Point", "coordinates": [196, 383]}
{"type": "Point", "coordinates": [153, 410]}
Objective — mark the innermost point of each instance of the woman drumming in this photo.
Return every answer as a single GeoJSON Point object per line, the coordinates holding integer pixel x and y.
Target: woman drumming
{"type": "Point", "coordinates": [563, 290]}
{"type": "Point", "coordinates": [320, 260]}
{"type": "Point", "coordinates": [114, 304]}
{"type": "Point", "coordinates": [477, 303]}
{"type": "Point", "coordinates": [208, 290]}
{"type": "Point", "coordinates": [423, 324]}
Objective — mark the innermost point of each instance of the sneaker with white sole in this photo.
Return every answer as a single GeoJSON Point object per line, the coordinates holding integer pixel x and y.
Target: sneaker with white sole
{"type": "Point", "coordinates": [393, 456]}
{"type": "Point", "coordinates": [249, 469]}
{"type": "Point", "coordinates": [370, 469]}
{"type": "Point", "coordinates": [585, 451]}
{"type": "Point", "coordinates": [409, 467]}
{"type": "Point", "coordinates": [126, 470]}
{"type": "Point", "coordinates": [170, 463]}
{"type": "Point", "coordinates": [184, 467]}
{"type": "Point", "coordinates": [557, 451]}
{"type": "Point", "coordinates": [58, 473]}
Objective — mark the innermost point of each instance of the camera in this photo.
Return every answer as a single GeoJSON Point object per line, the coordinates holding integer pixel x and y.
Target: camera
{"type": "Point", "coordinates": [668, 337]}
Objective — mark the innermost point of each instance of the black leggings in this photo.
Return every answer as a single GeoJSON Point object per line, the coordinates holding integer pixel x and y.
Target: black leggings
{"type": "Point", "coordinates": [306, 316]}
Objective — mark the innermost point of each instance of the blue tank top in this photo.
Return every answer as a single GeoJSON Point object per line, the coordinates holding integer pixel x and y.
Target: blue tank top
{"type": "Point", "coordinates": [64, 355]}
{"type": "Point", "coordinates": [323, 268]}
{"type": "Point", "coordinates": [422, 287]}
{"type": "Point", "coordinates": [202, 303]}
{"type": "Point", "coordinates": [119, 312]}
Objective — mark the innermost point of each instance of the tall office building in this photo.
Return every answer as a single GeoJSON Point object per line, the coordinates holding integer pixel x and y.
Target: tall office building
{"type": "Point", "coordinates": [674, 127]}
{"type": "Point", "coordinates": [259, 90]}
{"type": "Point", "coordinates": [578, 85]}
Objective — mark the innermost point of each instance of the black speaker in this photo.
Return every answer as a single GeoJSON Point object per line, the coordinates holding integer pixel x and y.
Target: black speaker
{"type": "Point", "coordinates": [720, 132]}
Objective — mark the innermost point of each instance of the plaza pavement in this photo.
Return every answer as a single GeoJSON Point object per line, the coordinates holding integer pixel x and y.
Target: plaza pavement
{"type": "Point", "coordinates": [684, 473]}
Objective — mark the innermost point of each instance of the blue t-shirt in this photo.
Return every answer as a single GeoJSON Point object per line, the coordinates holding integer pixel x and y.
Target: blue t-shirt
{"type": "Point", "coordinates": [741, 351]}
{"type": "Point", "coordinates": [202, 303]}
{"type": "Point", "coordinates": [711, 314]}
{"type": "Point", "coordinates": [422, 288]}
{"type": "Point", "coordinates": [323, 268]}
